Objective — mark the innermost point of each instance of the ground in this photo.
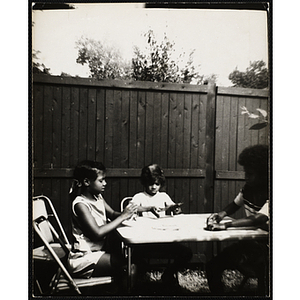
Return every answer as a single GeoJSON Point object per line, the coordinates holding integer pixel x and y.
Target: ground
{"type": "Point", "coordinates": [194, 282]}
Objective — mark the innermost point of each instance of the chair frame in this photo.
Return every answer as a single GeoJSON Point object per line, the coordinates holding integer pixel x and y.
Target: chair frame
{"type": "Point", "coordinates": [123, 246]}
{"type": "Point", "coordinates": [123, 202]}
{"type": "Point", "coordinates": [62, 280]}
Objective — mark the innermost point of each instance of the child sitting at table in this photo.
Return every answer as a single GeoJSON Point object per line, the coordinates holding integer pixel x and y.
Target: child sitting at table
{"type": "Point", "coordinates": [90, 227]}
{"type": "Point", "coordinates": [245, 256]}
{"type": "Point", "coordinates": [152, 203]}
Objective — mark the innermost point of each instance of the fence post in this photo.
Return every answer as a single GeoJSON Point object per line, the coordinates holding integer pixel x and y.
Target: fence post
{"type": "Point", "coordinates": [210, 146]}
{"type": "Point", "coordinates": [210, 158]}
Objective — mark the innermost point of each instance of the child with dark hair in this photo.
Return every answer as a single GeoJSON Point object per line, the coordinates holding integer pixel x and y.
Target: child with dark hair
{"type": "Point", "coordinates": [152, 203]}
{"type": "Point", "coordinates": [90, 225]}
{"type": "Point", "coordinates": [245, 256]}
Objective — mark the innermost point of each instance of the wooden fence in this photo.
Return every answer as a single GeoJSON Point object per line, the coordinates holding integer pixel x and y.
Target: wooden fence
{"type": "Point", "coordinates": [194, 133]}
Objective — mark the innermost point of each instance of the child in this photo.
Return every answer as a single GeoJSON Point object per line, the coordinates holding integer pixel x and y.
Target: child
{"type": "Point", "coordinates": [90, 226]}
{"type": "Point", "coordinates": [151, 202]}
{"type": "Point", "coordinates": [245, 256]}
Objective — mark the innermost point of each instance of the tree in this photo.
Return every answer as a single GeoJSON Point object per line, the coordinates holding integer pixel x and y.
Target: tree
{"type": "Point", "coordinates": [157, 64]}
{"type": "Point", "coordinates": [256, 76]}
{"type": "Point", "coordinates": [36, 66]}
{"type": "Point", "coordinates": [104, 62]}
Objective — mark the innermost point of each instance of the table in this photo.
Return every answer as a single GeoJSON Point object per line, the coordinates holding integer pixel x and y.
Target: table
{"type": "Point", "coordinates": [180, 228]}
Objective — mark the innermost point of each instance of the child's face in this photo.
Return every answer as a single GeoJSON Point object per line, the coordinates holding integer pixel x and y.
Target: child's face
{"type": "Point", "coordinates": [153, 189]}
{"type": "Point", "coordinates": [98, 186]}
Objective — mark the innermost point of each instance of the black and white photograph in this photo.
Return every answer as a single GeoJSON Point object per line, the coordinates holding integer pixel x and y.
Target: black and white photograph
{"type": "Point", "coordinates": [151, 150]}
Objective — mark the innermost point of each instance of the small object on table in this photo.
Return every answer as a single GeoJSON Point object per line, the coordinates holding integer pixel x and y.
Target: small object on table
{"type": "Point", "coordinates": [213, 225]}
{"type": "Point", "coordinates": [173, 208]}
{"type": "Point", "coordinates": [154, 212]}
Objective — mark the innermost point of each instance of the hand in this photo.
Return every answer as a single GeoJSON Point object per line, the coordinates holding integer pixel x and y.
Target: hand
{"type": "Point", "coordinates": [155, 211]}
{"type": "Point", "coordinates": [216, 227]}
{"type": "Point", "coordinates": [215, 218]}
{"type": "Point", "coordinates": [129, 211]}
{"type": "Point", "coordinates": [174, 208]}
{"type": "Point", "coordinates": [177, 211]}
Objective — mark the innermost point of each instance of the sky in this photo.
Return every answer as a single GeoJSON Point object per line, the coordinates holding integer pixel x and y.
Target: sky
{"type": "Point", "coordinates": [223, 39]}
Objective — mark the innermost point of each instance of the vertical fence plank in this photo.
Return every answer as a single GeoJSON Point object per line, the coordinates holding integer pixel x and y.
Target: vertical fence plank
{"type": "Point", "coordinates": [65, 205]}
{"type": "Point", "coordinates": [108, 189]}
{"type": "Point", "coordinates": [37, 187]}
{"type": "Point", "coordinates": [82, 138]}
{"type": "Point", "coordinates": [149, 128]}
{"type": "Point", "coordinates": [210, 146]}
{"type": "Point", "coordinates": [194, 197]}
{"type": "Point", "coordinates": [57, 126]}
{"type": "Point", "coordinates": [74, 126]}
{"type": "Point", "coordinates": [187, 118]}
{"type": "Point", "coordinates": [65, 127]}
{"type": "Point", "coordinates": [123, 192]}
{"type": "Point", "coordinates": [125, 130]}
{"type": "Point", "coordinates": [225, 133]}
{"type": "Point", "coordinates": [172, 131]}
{"type": "Point", "coordinates": [91, 123]}
{"type": "Point", "coordinates": [47, 134]}
{"type": "Point", "coordinates": [116, 146]}
{"type": "Point", "coordinates": [232, 161]}
{"type": "Point", "coordinates": [133, 187]}
{"type": "Point", "coordinates": [133, 129]}
{"type": "Point", "coordinates": [157, 121]}
{"type": "Point", "coordinates": [115, 194]}
{"type": "Point", "coordinates": [38, 121]}
{"type": "Point", "coordinates": [232, 155]}
{"type": "Point", "coordinates": [100, 124]}
{"type": "Point", "coordinates": [179, 131]}
{"type": "Point", "coordinates": [195, 130]}
{"type": "Point", "coordinates": [202, 131]}
{"type": "Point", "coordinates": [164, 131]}
{"type": "Point", "coordinates": [219, 132]}
{"type": "Point", "coordinates": [109, 128]}
{"type": "Point", "coordinates": [141, 129]}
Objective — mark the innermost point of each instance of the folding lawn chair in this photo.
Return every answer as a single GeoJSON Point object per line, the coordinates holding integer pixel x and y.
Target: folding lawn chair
{"type": "Point", "coordinates": [56, 249]}
{"type": "Point", "coordinates": [125, 201]}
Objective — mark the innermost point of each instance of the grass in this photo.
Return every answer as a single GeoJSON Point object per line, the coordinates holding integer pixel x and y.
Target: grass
{"type": "Point", "coordinates": [192, 282]}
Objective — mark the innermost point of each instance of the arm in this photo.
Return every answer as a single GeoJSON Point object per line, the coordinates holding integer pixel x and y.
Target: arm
{"type": "Point", "coordinates": [91, 228]}
{"type": "Point", "coordinates": [255, 220]}
{"type": "Point", "coordinates": [230, 209]}
{"type": "Point", "coordinates": [111, 214]}
{"type": "Point", "coordinates": [138, 200]}
{"type": "Point", "coordinates": [260, 219]}
{"type": "Point", "coordinates": [141, 209]}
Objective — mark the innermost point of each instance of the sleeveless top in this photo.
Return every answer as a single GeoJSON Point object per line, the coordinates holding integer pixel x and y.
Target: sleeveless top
{"type": "Point", "coordinates": [254, 200]}
{"type": "Point", "coordinates": [97, 210]}
{"type": "Point", "coordinates": [86, 253]}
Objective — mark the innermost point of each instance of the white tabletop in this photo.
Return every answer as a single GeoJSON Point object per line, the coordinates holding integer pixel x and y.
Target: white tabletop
{"type": "Point", "coordinates": [181, 228]}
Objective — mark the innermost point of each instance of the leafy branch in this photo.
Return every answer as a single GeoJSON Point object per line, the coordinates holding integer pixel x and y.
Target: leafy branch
{"type": "Point", "coordinates": [261, 117]}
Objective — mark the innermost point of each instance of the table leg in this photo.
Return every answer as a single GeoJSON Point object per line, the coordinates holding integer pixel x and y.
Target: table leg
{"type": "Point", "coordinates": [129, 269]}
